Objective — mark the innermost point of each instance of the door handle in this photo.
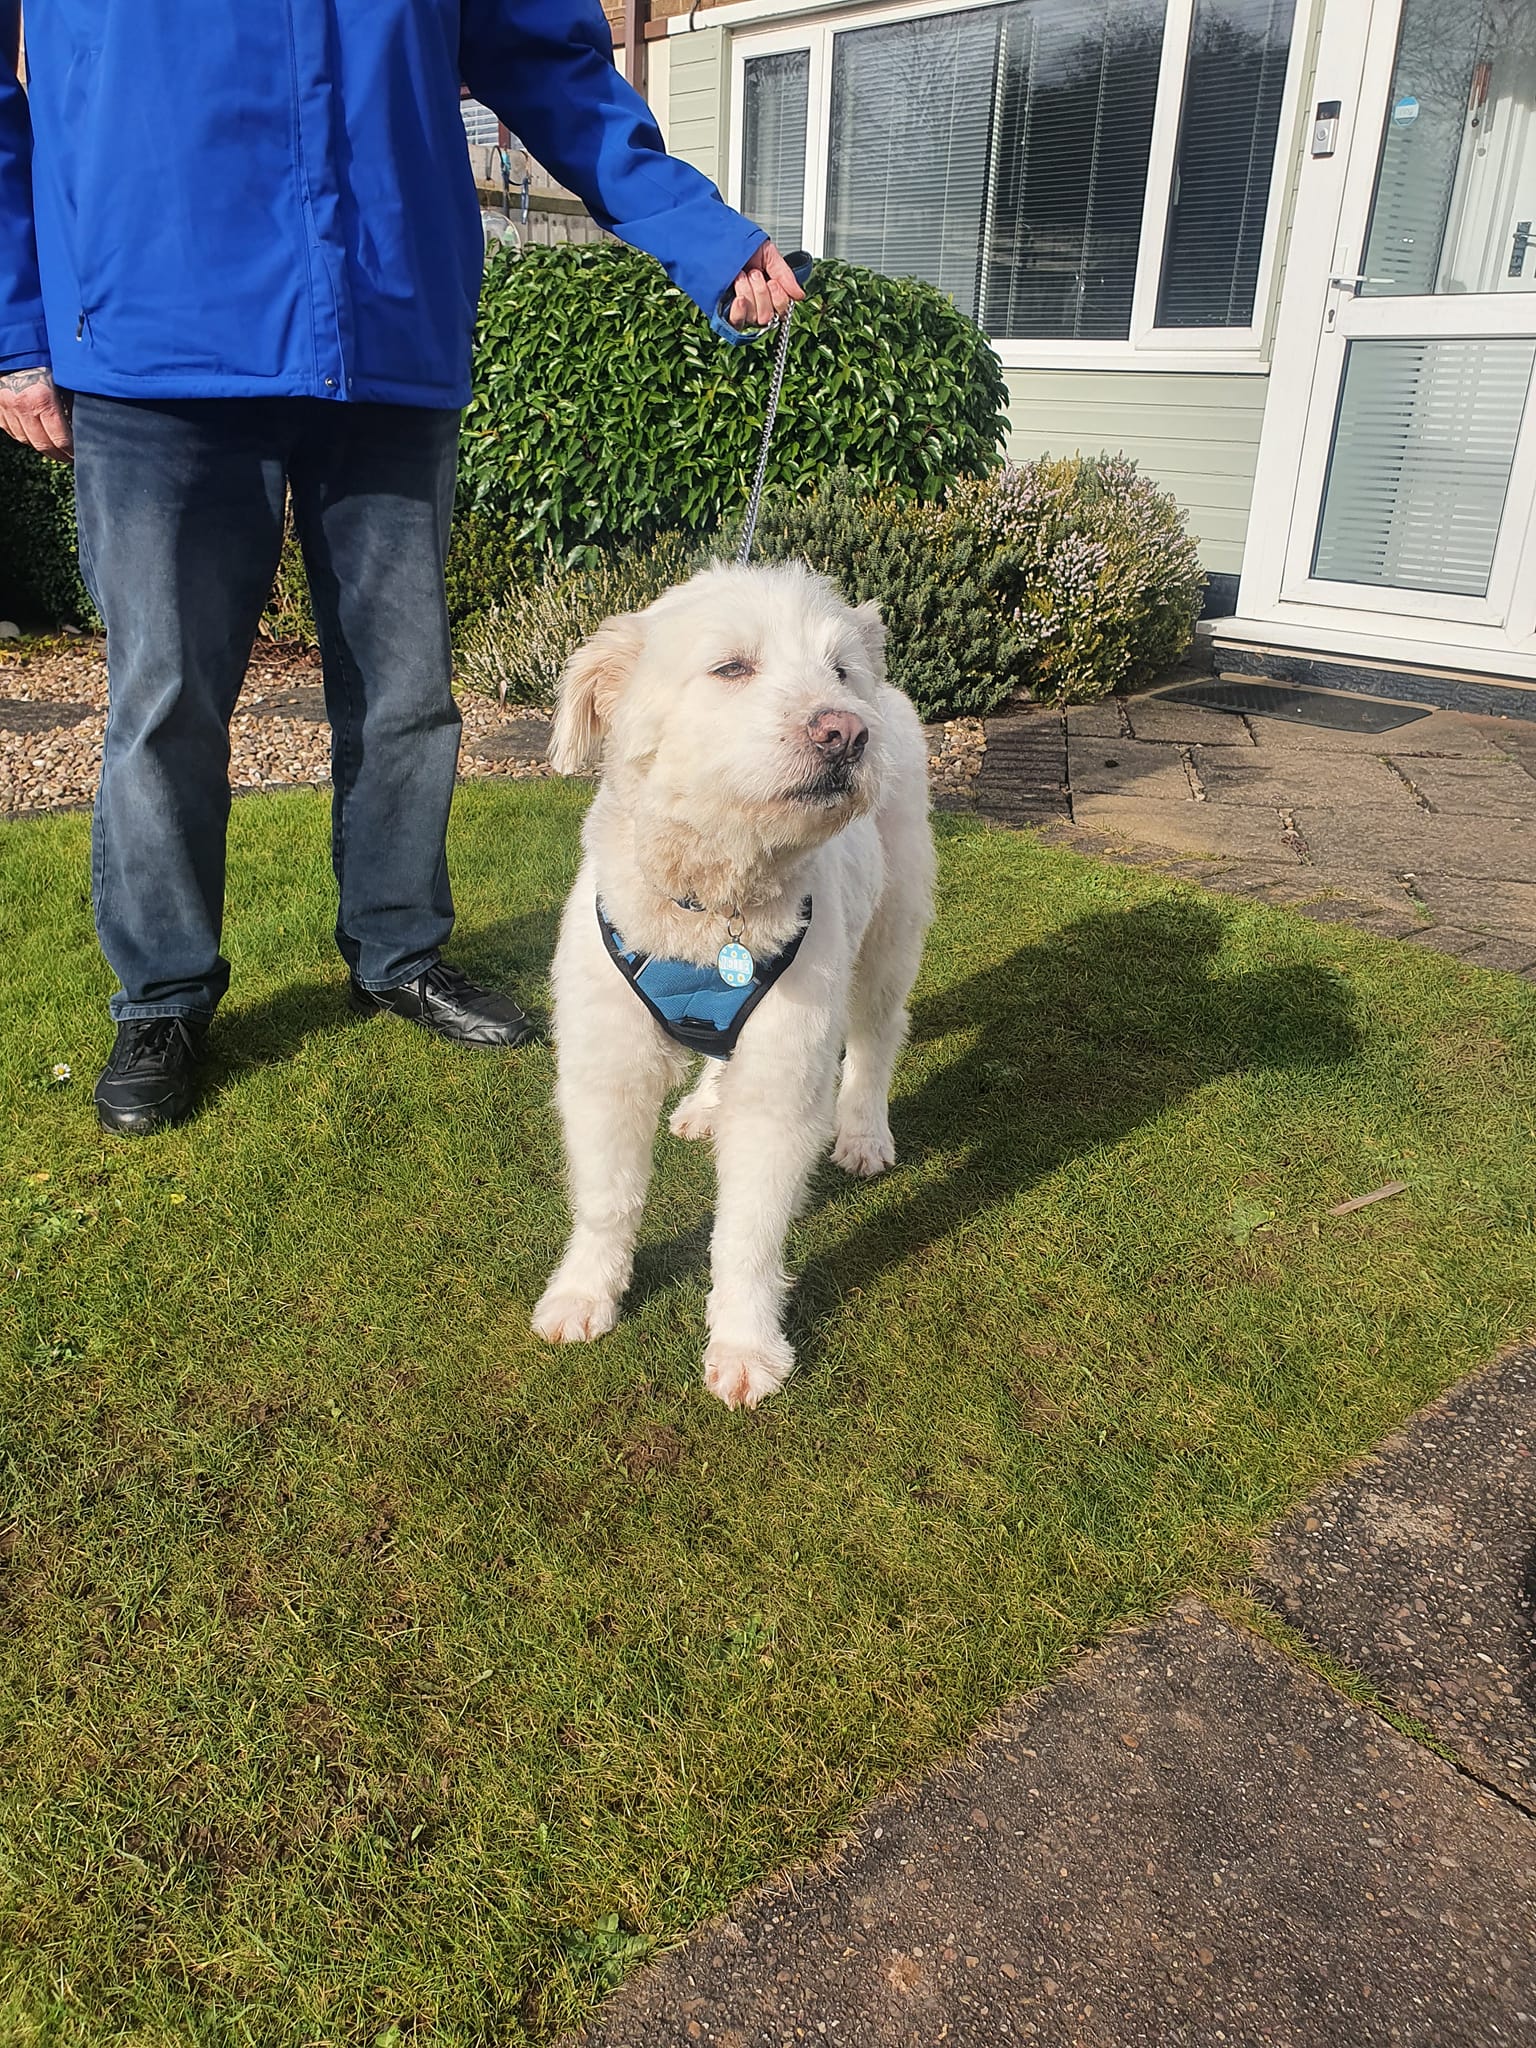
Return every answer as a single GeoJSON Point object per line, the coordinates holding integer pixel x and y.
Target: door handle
{"type": "Point", "coordinates": [1353, 284]}
{"type": "Point", "coordinates": [1521, 245]}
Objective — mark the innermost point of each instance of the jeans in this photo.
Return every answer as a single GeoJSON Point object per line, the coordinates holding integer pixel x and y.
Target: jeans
{"type": "Point", "coordinates": [181, 517]}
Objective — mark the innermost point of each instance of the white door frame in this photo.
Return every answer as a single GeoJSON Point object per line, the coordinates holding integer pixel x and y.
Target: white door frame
{"type": "Point", "coordinates": [1278, 600]}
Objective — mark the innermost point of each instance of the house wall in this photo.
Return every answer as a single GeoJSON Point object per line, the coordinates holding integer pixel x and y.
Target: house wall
{"type": "Point", "coordinates": [1196, 433]}
{"type": "Point", "coordinates": [697, 94]}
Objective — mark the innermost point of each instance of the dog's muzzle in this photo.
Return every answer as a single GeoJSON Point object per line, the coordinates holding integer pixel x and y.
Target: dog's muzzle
{"type": "Point", "coordinates": [838, 739]}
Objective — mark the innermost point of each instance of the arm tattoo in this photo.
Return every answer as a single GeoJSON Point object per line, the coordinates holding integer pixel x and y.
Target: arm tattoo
{"type": "Point", "coordinates": [23, 380]}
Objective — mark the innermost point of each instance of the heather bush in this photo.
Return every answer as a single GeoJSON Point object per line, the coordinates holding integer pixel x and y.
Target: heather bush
{"type": "Point", "coordinates": [948, 643]}
{"type": "Point", "coordinates": [1095, 568]}
{"type": "Point", "coordinates": [515, 650]}
{"type": "Point", "coordinates": [1065, 578]}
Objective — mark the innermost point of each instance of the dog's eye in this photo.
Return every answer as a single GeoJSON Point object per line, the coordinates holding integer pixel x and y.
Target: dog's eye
{"type": "Point", "coordinates": [842, 673]}
{"type": "Point", "coordinates": [733, 671]}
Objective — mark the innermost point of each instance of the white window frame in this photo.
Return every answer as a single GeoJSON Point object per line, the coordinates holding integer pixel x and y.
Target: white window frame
{"type": "Point", "coordinates": [761, 28]}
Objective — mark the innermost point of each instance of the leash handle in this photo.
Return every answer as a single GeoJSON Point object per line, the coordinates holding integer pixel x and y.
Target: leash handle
{"type": "Point", "coordinates": [800, 263]}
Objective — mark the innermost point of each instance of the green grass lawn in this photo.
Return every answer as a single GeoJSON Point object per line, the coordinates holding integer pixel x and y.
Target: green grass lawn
{"type": "Point", "coordinates": [372, 1674]}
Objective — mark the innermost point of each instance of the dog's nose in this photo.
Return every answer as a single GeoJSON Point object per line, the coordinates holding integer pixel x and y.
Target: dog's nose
{"type": "Point", "coordinates": [838, 735]}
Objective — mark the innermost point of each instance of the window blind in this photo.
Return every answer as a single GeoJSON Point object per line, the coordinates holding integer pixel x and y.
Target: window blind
{"type": "Point", "coordinates": [1076, 93]}
{"type": "Point", "coordinates": [1002, 155]}
{"type": "Point", "coordinates": [908, 150]}
{"type": "Point", "coordinates": [776, 95]}
{"type": "Point", "coordinates": [1233, 88]}
{"type": "Point", "coordinates": [1422, 454]}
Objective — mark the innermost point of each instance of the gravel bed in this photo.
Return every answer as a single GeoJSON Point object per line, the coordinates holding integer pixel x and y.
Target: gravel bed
{"type": "Point", "coordinates": [278, 736]}
{"type": "Point", "coordinates": [956, 750]}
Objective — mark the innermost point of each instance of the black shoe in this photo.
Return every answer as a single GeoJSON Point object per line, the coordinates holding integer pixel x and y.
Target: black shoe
{"type": "Point", "coordinates": [151, 1079]}
{"type": "Point", "coordinates": [447, 1002]}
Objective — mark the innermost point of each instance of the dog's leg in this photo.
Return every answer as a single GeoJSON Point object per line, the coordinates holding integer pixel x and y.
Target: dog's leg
{"type": "Point", "coordinates": [877, 1026]}
{"type": "Point", "coordinates": [771, 1125]}
{"type": "Point", "coordinates": [694, 1116]}
{"type": "Point", "coordinates": [609, 1114]}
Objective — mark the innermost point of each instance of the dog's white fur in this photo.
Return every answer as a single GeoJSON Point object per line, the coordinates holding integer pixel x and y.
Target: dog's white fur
{"type": "Point", "coordinates": [698, 801]}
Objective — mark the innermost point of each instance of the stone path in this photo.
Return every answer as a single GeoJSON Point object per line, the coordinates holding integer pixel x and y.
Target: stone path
{"type": "Point", "coordinates": [1190, 1837]}
{"type": "Point", "coordinates": [1419, 1569]}
{"type": "Point", "coordinates": [1187, 1839]}
{"type": "Point", "coordinates": [1427, 833]}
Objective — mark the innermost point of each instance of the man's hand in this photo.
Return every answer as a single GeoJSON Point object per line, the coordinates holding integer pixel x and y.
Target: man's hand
{"type": "Point", "coordinates": [30, 412]}
{"type": "Point", "coordinates": [764, 290]}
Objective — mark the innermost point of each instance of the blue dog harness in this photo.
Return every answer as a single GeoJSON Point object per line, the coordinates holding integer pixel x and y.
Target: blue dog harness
{"type": "Point", "coordinates": [696, 1006]}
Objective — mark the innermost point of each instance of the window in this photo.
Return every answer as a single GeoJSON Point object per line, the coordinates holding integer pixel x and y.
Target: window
{"type": "Point", "coordinates": [1221, 177]}
{"type": "Point", "coordinates": [1075, 96]}
{"type": "Point", "coordinates": [774, 105]}
{"type": "Point", "coordinates": [1068, 171]}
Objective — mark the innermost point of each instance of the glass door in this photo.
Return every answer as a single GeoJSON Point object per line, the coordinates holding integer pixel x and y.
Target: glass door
{"type": "Point", "coordinates": [1418, 460]}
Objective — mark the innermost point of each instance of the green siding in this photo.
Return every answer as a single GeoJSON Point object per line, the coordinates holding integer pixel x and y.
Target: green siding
{"type": "Point", "coordinates": [698, 94]}
{"type": "Point", "coordinates": [1196, 433]}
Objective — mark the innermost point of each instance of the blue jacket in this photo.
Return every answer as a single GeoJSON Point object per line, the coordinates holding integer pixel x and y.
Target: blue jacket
{"type": "Point", "coordinates": [273, 198]}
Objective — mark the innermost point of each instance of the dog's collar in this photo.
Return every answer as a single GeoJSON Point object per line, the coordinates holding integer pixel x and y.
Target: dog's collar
{"type": "Point", "coordinates": [695, 1006]}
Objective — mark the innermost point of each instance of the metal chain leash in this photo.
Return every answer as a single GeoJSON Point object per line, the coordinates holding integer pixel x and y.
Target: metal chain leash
{"type": "Point", "coordinates": [762, 459]}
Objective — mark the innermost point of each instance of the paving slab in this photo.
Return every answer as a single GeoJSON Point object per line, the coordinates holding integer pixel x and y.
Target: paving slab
{"type": "Point", "coordinates": [1275, 780]}
{"type": "Point", "coordinates": [1477, 949]}
{"type": "Point", "coordinates": [519, 739]}
{"type": "Point", "coordinates": [1225, 830]}
{"type": "Point", "coordinates": [1155, 718]}
{"type": "Point", "coordinates": [1103, 720]}
{"type": "Point", "coordinates": [305, 701]}
{"type": "Point", "coordinates": [26, 715]}
{"type": "Point", "coordinates": [1187, 1839]}
{"type": "Point", "coordinates": [1121, 767]}
{"type": "Point", "coordinates": [1490, 789]}
{"type": "Point", "coordinates": [1420, 1570]}
{"type": "Point", "coordinates": [1445, 733]}
{"type": "Point", "coordinates": [1508, 908]}
{"type": "Point", "coordinates": [1514, 737]}
{"type": "Point", "coordinates": [1411, 841]}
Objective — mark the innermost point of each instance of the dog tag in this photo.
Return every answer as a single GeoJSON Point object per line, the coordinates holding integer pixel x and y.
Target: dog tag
{"type": "Point", "coordinates": [736, 965]}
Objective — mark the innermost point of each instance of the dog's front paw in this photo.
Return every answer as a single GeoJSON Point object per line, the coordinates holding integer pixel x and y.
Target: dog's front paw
{"type": "Point", "coordinates": [567, 1317]}
{"type": "Point", "coordinates": [692, 1119]}
{"type": "Point", "coordinates": [865, 1151]}
{"type": "Point", "coordinates": [741, 1375]}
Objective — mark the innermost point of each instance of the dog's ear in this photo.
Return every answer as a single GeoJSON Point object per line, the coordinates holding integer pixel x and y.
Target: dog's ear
{"type": "Point", "coordinates": [872, 632]}
{"type": "Point", "coordinates": [590, 686]}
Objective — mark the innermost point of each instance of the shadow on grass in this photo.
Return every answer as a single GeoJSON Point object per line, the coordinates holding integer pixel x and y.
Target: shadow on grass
{"type": "Point", "coordinates": [513, 954]}
{"type": "Point", "coordinates": [1067, 1045]}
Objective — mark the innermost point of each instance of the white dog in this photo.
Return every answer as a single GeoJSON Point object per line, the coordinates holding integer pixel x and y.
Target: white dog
{"type": "Point", "coordinates": [762, 819]}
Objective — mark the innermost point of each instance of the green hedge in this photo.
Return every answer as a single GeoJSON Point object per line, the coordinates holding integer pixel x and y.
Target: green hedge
{"type": "Point", "coordinates": [605, 412]}
{"type": "Point", "coordinates": [39, 571]}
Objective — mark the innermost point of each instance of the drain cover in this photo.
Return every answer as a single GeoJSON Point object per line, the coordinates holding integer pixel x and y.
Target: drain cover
{"type": "Point", "coordinates": [1302, 707]}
